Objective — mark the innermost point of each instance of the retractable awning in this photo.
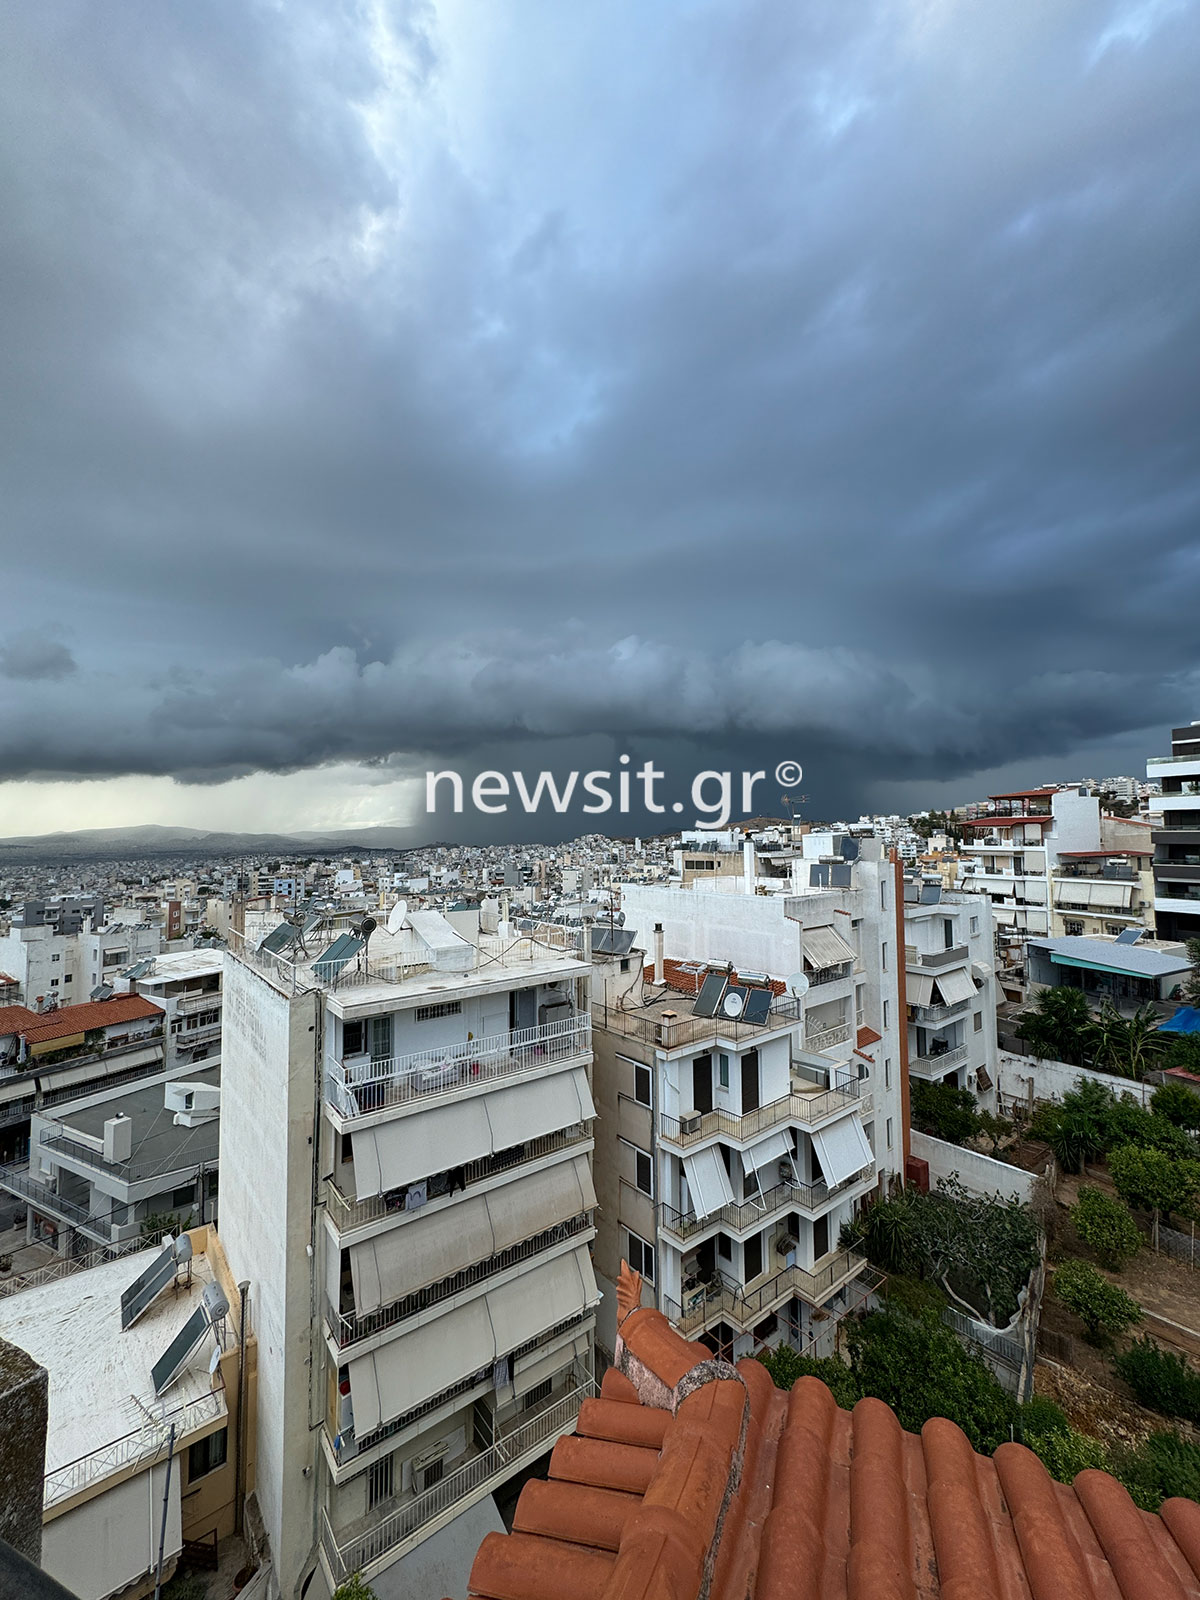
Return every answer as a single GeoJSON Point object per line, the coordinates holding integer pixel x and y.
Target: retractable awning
{"type": "Point", "coordinates": [842, 1149]}
{"type": "Point", "coordinates": [955, 986]}
{"type": "Point", "coordinates": [825, 947]}
{"type": "Point", "coordinates": [423, 1250]}
{"type": "Point", "coordinates": [434, 1140]}
{"type": "Point", "coordinates": [1111, 894]}
{"type": "Point", "coordinates": [772, 1148]}
{"type": "Point", "coordinates": [919, 990]}
{"type": "Point", "coordinates": [707, 1181]}
{"type": "Point", "coordinates": [405, 1372]}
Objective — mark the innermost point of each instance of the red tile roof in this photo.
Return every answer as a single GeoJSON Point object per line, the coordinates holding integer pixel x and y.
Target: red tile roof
{"type": "Point", "coordinates": [865, 1037]}
{"type": "Point", "coordinates": [997, 823]}
{"type": "Point", "coordinates": [92, 1014]}
{"type": "Point", "coordinates": [689, 982]}
{"type": "Point", "coordinates": [690, 1479]}
{"type": "Point", "coordinates": [1025, 794]}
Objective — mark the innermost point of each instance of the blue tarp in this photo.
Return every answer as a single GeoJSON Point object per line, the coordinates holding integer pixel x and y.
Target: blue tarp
{"type": "Point", "coordinates": [1185, 1020]}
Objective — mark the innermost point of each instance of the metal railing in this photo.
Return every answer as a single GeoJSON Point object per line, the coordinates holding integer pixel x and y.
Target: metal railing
{"type": "Point", "coordinates": [935, 958]}
{"type": "Point", "coordinates": [760, 1210]}
{"type": "Point", "coordinates": [935, 1014]}
{"type": "Point", "coordinates": [347, 1213]}
{"type": "Point", "coordinates": [816, 1038]}
{"type": "Point", "coordinates": [726, 1301]}
{"type": "Point", "coordinates": [524, 1441]}
{"type": "Point", "coordinates": [939, 1060]}
{"type": "Point", "coordinates": [133, 1449]}
{"type": "Point", "coordinates": [676, 1032]}
{"type": "Point", "coordinates": [359, 1091]}
{"type": "Point", "coordinates": [64, 1266]}
{"type": "Point", "coordinates": [348, 1327]}
{"type": "Point", "coordinates": [834, 974]}
{"type": "Point", "coordinates": [15, 1178]}
{"type": "Point", "coordinates": [806, 1109]}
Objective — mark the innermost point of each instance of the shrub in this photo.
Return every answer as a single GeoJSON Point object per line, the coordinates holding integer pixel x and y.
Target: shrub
{"type": "Point", "coordinates": [186, 1585]}
{"type": "Point", "coordinates": [1105, 1226]}
{"type": "Point", "coordinates": [354, 1589]}
{"type": "Point", "coordinates": [787, 1366]}
{"type": "Point", "coordinates": [1163, 1466]}
{"type": "Point", "coordinates": [944, 1111]}
{"type": "Point", "coordinates": [1153, 1181]}
{"type": "Point", "coordinates": [1102, 1307]}
{"type": "Point", "coordinates": [1160, 1379]}
{"type": "Point", "coordinates": [1062, 1450]}
{"type": "Point", "coordinates": [1176, 1102]}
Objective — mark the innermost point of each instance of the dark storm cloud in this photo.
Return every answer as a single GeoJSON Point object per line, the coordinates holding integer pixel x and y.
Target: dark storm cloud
{"type": "Point", "coordinates": [388, 379]}
{"type": "Point", "coordinates": [30, 657]}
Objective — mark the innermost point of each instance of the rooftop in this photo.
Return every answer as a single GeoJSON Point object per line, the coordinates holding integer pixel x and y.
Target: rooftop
{"type": "Point", "coordinates": [1141, 959]}
{"type": "Point", "coordinates": [176, 965]}
{"type": "Point", "coordinates": [689, 1477]}
{"type": "Point", "coordinates": [38, 1027]}
{"type": "Point", "coordinates": [159, 1146]}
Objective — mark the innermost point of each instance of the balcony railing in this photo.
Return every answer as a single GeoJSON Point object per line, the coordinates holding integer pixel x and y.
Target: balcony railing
{"type": "Point", "coordinates": [818, 1038]}
{"type": "Point", "coordinates": [934, 958]}
{"type": "Point", "coordinates": [523, 1442]}
{"type": "Point", "coordinates": [359, 1091]}
{"type": "Point", "coordinates": [938, 1061]}
{"type": "Point", "coordinates": [936, 1014]}
{"type": "Point", "coordinates": [677, 1032]}
{"type": "Point", "coordinates": [725, 1301]}
{"type": "Point", "coordinates": [133, 1449]}
{"type": "Point", "coordinates": [834, 974]}
{"type": "Point", "coordinates": [346, 1213]}
{"type": "Point", "coordinates": [15, 1178]}
{"type": "Point", "coordinates": [771, 1203]}
{"type": "Point", "coordinates": [805, 1109]}
{"type": "Point", "coordinates": [347, 1327]}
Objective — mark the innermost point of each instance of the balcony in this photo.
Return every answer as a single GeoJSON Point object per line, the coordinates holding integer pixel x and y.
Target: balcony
{"type": "Point", "coordinates": [15, 1178]}
{"type": "Point", "coordinates": [346, 1328]}
{"type": "Point", "coordinates": [347, 1214]}
{"type": "Point", "coordinates": [933, 959]}
{"type": "Point", "coordinates": [806, 1109]}
{"type": "Point", "coordinates": [399, 1082]}
{"type": "Point", "coordinates": [145, 1444]}
{"type": "Point", "coordinates": [935, 1064]}
{"type": "Point", "coordinates": [834, 974]}
{"type": "Point", "coordinates": [391, 1533]}
{"type": "Point", "coordinates": [784, 1197]}
{"type": "Point", "coordinates": [818, 1038]}
{"type": "Point", "coordinates": [936, 1014]}
{"type": "Point", "coordinates": [668, 1030]}
{"type": "Point", "coordinates": [726, 1301]}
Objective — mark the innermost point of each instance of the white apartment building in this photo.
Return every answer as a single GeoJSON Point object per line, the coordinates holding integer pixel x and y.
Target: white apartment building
{"type": "Point", "coordinates": [950, 989]}
{"type": "Point", "coordinates": [751, 1097]}
{"type": "Point", "coordinates": [406, 1180]}
{"type": "Point", "coordinates": [1177, 839]}
{"type": "Point", "coordinates": [60, 959]}
{"type": "Point", "coordinates": [186, 986]}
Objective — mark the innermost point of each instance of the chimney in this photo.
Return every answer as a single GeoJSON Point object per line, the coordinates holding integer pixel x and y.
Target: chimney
{"type": "Point", "coordinates": [658, 952]}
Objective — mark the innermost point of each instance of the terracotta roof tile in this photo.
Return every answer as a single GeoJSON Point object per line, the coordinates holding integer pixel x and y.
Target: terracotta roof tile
{"type": "Point", "coordinates": [865, 1037]}
{"type": "Point", "coordinates": [694, 1480]}
{"type": "Point", "coordinates": [88, 1016]}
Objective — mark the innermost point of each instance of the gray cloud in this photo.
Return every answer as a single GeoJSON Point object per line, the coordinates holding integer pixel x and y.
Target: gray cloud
{"type": "Point", "coordinates": [373, 377]}
{"type": "Point", "coordinates": [32, 657]}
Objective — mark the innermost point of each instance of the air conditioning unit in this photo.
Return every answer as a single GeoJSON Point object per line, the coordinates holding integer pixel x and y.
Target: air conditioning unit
{"type": "Point", "coordinates": [689, 1122]}
{"type": "Point", "coordinates": [786, 1244]}
{"type": "Point", "coordinates": [429, 1466]}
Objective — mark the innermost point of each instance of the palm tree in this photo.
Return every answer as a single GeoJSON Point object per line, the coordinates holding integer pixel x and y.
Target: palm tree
{"type": "Point", "coordinates": [1126, 1045]}
{"type": "Point", "coordinates": [1057, 1027]}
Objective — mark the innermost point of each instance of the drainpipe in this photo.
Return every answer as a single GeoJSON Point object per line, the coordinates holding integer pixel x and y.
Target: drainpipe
{"type": "Point", "coordinates": [240, 1443]}
{"type": "Point", "coordinates": [658, 952]}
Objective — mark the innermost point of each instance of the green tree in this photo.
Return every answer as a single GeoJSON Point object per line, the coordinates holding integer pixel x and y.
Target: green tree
{"type": "Point", "coordinates": [1105, 1226]}
{"type": "Point", "coordinates": [157, 1223]}
{"type": "Point", "coordinates": [1057, 1029]}
{"type": "Point", "coordinates": [1062, 1450]}
{"type": "Point", "coordinates": [1161, 1379]}
{"type": "Point", "coordinates": [354, 1589]}
{"type": "Point", "coordinates": [1162, 1467]}
{"type": "Point", "coordinates": [787, 1366]}
{"type": "Point", "coordinates": [1191, 984]}
{"type": "Point", "coordinates": [885, 1232]}
{"type": "Point", "coordinates": [1152, 1181]}
{"type": "Point", "coordinates": [1183, 1050]}
{"type": "Point", "coordinates": [1076, 1129]}
{"type": "Point", "coordinates": [1103, 1308]}
{"type": "Point", "coordinates": [1129, 1046]}
{"type": "Point", "coordinates": [1175, 1101]}
{"type": "Point", "coordinates": [994, 1130]}
{"type": "Point", "coordinates": [944, 1111]}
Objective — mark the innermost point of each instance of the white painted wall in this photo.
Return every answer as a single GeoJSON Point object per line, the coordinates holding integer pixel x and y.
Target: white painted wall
{"type": "Point", "coordinates": [976, 1172]}
{"type": "Point", "coordinates": [105, 1544]}
{"type": "Point", "coordinates": [1053, 1079]}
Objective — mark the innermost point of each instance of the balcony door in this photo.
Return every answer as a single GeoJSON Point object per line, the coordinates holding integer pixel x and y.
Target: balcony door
{"type": "Point", "coordinates": [821, 1237]}
{"type": "Point", "coordinates": [702, 1085]}
{"type": "Point", "coordinates": [750, 1094]}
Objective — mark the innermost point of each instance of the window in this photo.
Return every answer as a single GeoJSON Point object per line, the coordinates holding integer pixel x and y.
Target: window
{"type": "Point", "coordinates": [885, 1014]}
{"type": "Point", "coordinates": [883, 955]}
{"type": "Point", "coordinates": [889, 1133]}
{"type": "Point", "coordinates": [206, 1455]}
{"type": "Point", "coordinates": [724, 1247]}
{"type": "Point", "coordinates": [1109, 927]}
{"type": "Point", "coordinates": [883, 894]}
{"type": "Point", "coordinates": [641, 1085]}
{"type": "Point", "coordinates": [979, 1022]}
{"type": "Point", "coordinates": [752, 1257]}
{"type": "Point", "coordinates": [115, 958]}
{"type": "Point", "coordinates": [640, 1256]}
{"type": "Point", "coordinates": [869, 1130]}
{"type": "Point", "coordinates": [54, 983]}
{"type": "Point", "coordinates": [444, 1008]}
{"type": "Point", "coordinates": [68, 977]}
{"type": "Point", "coordinates": [974, 924]}
{"type": "Point", "coordinates": [723, 1071]}
{"type": "Point", "coordinates": [354, 1038]}
{"type": "Point", "coordinates": [1072, 928]}
{"type": "Point", "coordinates": [56, 958]}
{"type": "Point", "coordinates": [887, 1072]}
{"type": "Point", "coordinates": [948, 932]}
{"type": "Point", "coordinates": [381, 1481]}
{"type": "Point", "coordinates": [624, 963]}
{"type": "Point", "coordinates": [182, 1197]}
{"type": "Point", "coordinates": [645, 1172]}
{"type": "Point", "coordinates": [348, 1148]}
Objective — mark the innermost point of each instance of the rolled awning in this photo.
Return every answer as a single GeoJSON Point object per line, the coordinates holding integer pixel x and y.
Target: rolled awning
{"type": "Point", "coordinates": [919, 990]}
{"type": "Point", "coordinates": [425, 1250]}
{"type": "Point", "coordinates": [707, 1181]}
{"type": "Point", "coordinates": [772, 1148]}
{"type": "Point", "coordinates": [825, 947]}
{"type": "Point", "coordinates": [407, 1371]}
{"type": "Point", "coordinates": [955, 986]}
{"type": "Point", "coordinates": [842, 1149]}
{"type": "Point", "coordinates": [440, 1137]}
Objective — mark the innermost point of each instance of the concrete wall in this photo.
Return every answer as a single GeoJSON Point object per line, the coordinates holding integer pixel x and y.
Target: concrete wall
{"type": "Point", "coordinates": [976, 1172]}
{"type": "Point", "coordinates": [106, 1543]}
{"type": "Point", "coordinates": [24, 1390]}
{"type": "Point", "coordinates": [1053, 1079]}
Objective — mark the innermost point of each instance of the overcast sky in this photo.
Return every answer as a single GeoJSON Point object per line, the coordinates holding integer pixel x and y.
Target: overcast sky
{"type": "Point", "coordinates": [390, 385]}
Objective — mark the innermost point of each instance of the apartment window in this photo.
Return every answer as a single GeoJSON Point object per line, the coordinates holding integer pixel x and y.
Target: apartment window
{"type": "Point", "coordinates": [348, 1148]}
{"type": "Point", "coordinates": [640, 1256]}
{"type": "Point", "coordinates": [889, 1133]}
{"type": "Point", "coordinates": [444, 1008]}
{"type": "Point", "coordinates": [56, 958]}
{"type": "Point", "coordinates": [883, 955]}
{"type": "Point", "coordinates": [948, 932]}
{"type": "Point", "coordinates": [624, 963]}
{"type": "Point", "coordinates": [979, 1022]}
{"type": "Point", "coordinates": [381, 1481]}
{"type": "Point", "coordinates": [354, 1038]}
{"type": "Point", "coordinates": [724, 1247]}
{"type": "Point", "coordinates": [1071, 927]}
{"type": "Point", "coordinates": [643, 1169]}
{"type": "Point", "coordinates": [54, 983]}
{"type": "Point", "coordinates": [885, 1015]}
{"type": "Point", "coordinates": [182, 1197]}
{"type": "Point", "coordinates": [752, 1257]}
{"type": "Point", "coordinates": [206, 1455]}
{"type": "Point", "coordinates": [723, 1071]}
{"type": "Point", "coordinates": [68, 977]}
{"type": "Point", "coordinates": [1109, 927]}
{"type": "Point", "coordinates": [883, 894]}
{"type": "Point", "coordinates": [115, 958]}
{"type": "Point", "coordinates": [887, 1072]}
{"type": "Point", "coordinates": [641, 1085]}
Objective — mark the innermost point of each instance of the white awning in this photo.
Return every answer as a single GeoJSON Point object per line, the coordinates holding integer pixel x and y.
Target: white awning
{"type": "Point", "coordinates": [842, 1149]}
{"type": "Point", "coordinates": [425, 1250]}
{"type": "Point", "coordinates": [919, 991]}
{"type": "Point", "coordinates": [825, 947]}
{"type": "Point", "coordinates": [539, 1365]}
{"type": "Point", "coordinates": [441, 1137]}
{"type": "Point", "coordinates": [1004, 915]}
{"type": "Point", "coordinates": [770, 1149]}
{"type": "Point", "coordinates": [955, 986]}
{"type": "Point", "coordinates": [407, 1371]}
{"type": "Point", "coordinates": [707, 1181]}
{"type": "Point", "coordinates": [1107, 893]}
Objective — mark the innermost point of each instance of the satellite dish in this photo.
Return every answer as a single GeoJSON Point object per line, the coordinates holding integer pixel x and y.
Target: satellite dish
{"type": "Point", "coordinates": [214, 1361]}
{"type": "Point", "coordinates": [733, 1005]}
{"type": "Point", "coordinates": [798, 984]}
{"type": "Point", "coordinates": [396, 916]}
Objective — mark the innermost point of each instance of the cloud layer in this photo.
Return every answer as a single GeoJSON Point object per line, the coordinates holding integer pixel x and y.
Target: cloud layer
{"type": "Point", "coordinates": [386, 379]}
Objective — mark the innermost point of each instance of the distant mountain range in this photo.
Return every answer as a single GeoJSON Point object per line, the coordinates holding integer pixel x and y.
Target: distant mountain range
{"type": "Point", "coordinates": [121, 843]}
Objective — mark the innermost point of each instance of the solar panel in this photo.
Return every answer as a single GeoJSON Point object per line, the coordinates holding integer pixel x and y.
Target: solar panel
{"type": "Point", "coordinates": [1130, 936]}
{"type": "Point", "coordinates": [758, 1005]}
{"type": "Point", "coordinates": [335, 958]}
{"type": "Point", "coordinates": [102, 991]}
{"type": "Point", "coordinates": [148, 1286]}
{"type": "Point", "coordinates": [279, 939]}
{"type": "Point", "coordinates": [710, 994]}
{"type": "Point", "coordinates": [181, 1348]}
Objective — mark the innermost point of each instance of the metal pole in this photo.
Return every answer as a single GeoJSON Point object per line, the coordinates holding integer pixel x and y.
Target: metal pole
{"type": "Point", "coordinates": [240, 1443]}
{"type": "Point", "coordinates": [162, 1534]}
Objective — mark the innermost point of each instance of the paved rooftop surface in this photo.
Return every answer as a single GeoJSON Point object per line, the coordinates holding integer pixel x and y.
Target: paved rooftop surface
{"type": "Point", "coordinates": [158, 1145]}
